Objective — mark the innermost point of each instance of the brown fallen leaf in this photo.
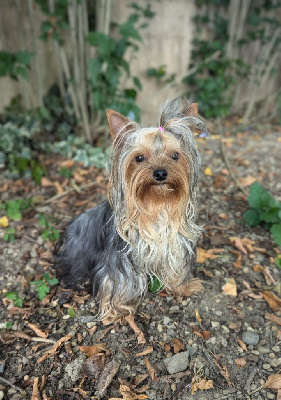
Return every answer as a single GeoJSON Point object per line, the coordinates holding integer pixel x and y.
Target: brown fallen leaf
{"type": "Point", "coordinates": [37, 330]}
{"type": "Point", "coordinates": [106, 377]}
{"type": "Point", "coordinates": [197, 316]}
{"type": "Point", "coordinates": [272, 300]}
{"type": "Point", "coordinates": [128, 394]}
{"type": "Point", "coordinates": [54, 349]}
{"type": "Point", "coordinates": [148, 350]}
{"type": "Point", "coordinates": [243, 244]}
{"type": "Point", "coordinates": [242, 344]}
{"type": "Point", "coordinates": [191, 287]}
{"type": "Point", "coordinates": [151, 370]}
{"type": "Point", "coordinates": [230, 288]}
{"type": "Point", "coordinates": [265, 271]}
{"type": "Point", "coordinates": [93, 366]}
{"type": "Point", "coordinates": [203, 334]}
{"type": "Point", "coordinates": [8, 337]}
{"type": "Point", "coordinates": [240, 362]}
{"type": "Point", "coordinates": [222, 370]}
{"type": "Point", "coordinates": [197, 383]}
{"type": "Point", "coordinates": [238, 263]}
{"type": "Point", "coordinates": [273, 382]}
{"type": "Point", "coordinates": [93, 350]}
{"type": "Point", "coordinates": [140, 335]}
{"type": "Point", "coordinates": [177, 346]}
{"type": "Point", "coordinates": [247, 180]}
{"type": "Point", "coordinates": [203, 255]}
{"type": "Point", "coordinates": [273, 318]}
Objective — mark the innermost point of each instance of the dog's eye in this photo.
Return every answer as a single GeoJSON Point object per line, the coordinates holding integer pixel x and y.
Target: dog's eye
{"type": "Point", "coordinates": [139, 159]}
{"type": "Point", "coordinates": [175, 156]}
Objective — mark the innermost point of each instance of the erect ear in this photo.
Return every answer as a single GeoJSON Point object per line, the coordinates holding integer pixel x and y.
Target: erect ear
{"type": "Point", "coordinates": [192, 110]}
{"type": "Point", "coordinates": [118, 122]}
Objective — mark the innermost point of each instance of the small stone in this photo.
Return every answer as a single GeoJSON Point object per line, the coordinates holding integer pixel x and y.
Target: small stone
{"type": "Point", "coordinates": [166, 320]}
{"type": "Point", "coordinates": [1, 395]}
{"type": "Point", "coordinates": [263, 350]}
{"type": "Point", "coordinates": [215, 324]}
{"type": "Point", "coordinates": [174, 308]}
{"type": "Point", "coordinates": [160, 328]}
{"type": "Point", "coordinates": [270, 395]}
{"type": "Point", "coordinates": [250, 338]}
{"type": "Point", "coordinates": [177, 363]}
{"type": "Point", "coordinates": [266, 366]}
{"type": "Point", "coordinates": [275, 362]}
{"type": "Point", "coordinates": [275, 349]}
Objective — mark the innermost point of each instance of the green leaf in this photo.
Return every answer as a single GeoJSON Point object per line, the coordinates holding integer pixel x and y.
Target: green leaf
{"type": "Point", "coordinates": [71, 312]}
{"type": "Point", "coordinates": [271, 216]}
{"type": "Point", "coordinates": [154, 285]}
{"type": "Point", "coordinates": [278, 261]}
{"type": "Point", "coordinates": [9, 325]}
{"type": "Point", "coordinates": [50, 280]}
{"type": "Point", "coordinates": [259, 197]}
{"type": "Point", "coordinates": [276, 233]}
{"type": "Point", "coordinates": [21, 71]}
{"type": "Point", "coordinates": [137, 82]}
{"type": "Point", "coordinates": [129, 31]}
{"type": "Point", "coordinates": [18, 302]}
{"type": "Point", "coordinates": [251, 218]}
{"type": "Point", "coordinates": [24, 57]}
{"type": "Point", "coordinates": [12, 296]}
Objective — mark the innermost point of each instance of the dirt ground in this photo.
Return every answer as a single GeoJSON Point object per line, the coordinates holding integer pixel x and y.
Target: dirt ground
{"type": "Point", "coordinates": [221, 343]}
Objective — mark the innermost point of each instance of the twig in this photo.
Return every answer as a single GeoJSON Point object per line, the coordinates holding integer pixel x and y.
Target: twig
{"type": "Point", "coordinates": [227, 162]}
{"type": "Point", "coordinates": [11, 384]}
{"type": "Point", "coordinates": [42, 340]}
{"type": "Point", "coordinates": [59, 195]}
{"type": "Point", "coordinates": [250, 379]}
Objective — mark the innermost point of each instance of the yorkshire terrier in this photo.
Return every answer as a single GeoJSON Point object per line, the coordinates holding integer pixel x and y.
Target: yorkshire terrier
{"type": "Point", "coordinates": [147, 228]}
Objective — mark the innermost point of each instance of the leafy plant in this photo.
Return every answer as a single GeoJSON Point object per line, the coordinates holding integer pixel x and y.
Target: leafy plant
{"type": "Point", "coordinates": [71, 312]}
{"type": "Point", "coordinates": [154, 285]}
{"type": "Point", "coordinates": [14, 208]}
{"type": "Point", "coordinates": [42, 286]}
{"type": "Point", "coordinates": [15, 64]}
{"type": "Point", "coordinates": [264, 210]}
{"type": "Point", "coordinates": [49, 233]}
{"type": "Point", "coordinates": [9, 235]}
{"type": "Point", "coordinates": [15, 297]}
{"type": "Point", "coordinates": [278, 261]}
{"type": "Point", "coordinates": [9, 325]}
{"type": "Point", "coordinates": [107, 67]}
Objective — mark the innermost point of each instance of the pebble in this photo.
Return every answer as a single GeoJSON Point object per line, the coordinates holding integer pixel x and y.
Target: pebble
{"type": "Point", "coordinates": [266, 366]}
{"type": "Point", "coordinates": [215, 324]}
{"type": "Point", "coordinates": [263, 350]}
{"type": "Point", "coordinates": [1, 395]}
{"type": "Point", "coordinates": [270, 395]}
{"type": "Point", "coordinates": [250, 338]}
{"type": "Point", "coordinates": [177, 363]}
{"type": "Point", "coordinates": [166, 320]}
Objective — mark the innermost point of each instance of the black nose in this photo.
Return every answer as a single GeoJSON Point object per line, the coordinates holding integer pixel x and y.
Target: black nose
{"type": "Point", "coordinates": [160, 175]}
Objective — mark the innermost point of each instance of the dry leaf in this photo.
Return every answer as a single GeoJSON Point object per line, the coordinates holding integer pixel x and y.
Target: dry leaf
{"type": "Point", "coordinates": [197, 315]}
{"type": "Point", "coordinates": [203, 255]}
{"type": "Point", "coordinates": [129, 395]}
{"type": "Point", "coordinates": [242, 344]}
{"type": "Point", "coordinates": [230, 288]}
{"type": "Point", "coordinates": [4, 222]}
{"type": "Point", "coordinates": [203, 334]}
{"type": "Point", "coordinates": [240, 362]}
{"type": "Point", "coordinates": [247, 181]}
{"type": "Point", "coordinates": [148, 350]}
{"type": "Point", "coordinates": [38, 331]}
{"type": "Point", "coordinates": [151, 370]}
{"type": "Point", "coordinates": [54, 349]}
{"type": "Point", "coordinates": [273, 318]}
{"type": "Point", "coordinates": [191, 287]}
{"type": "Point", "coordinates": [265, 271]}
{"type": "Point", "coordinates": [223, 370]}
{"type": "Point", "coordinates": [177, 346]}
{"type": "Point", "coordinates": [197, 383]}
{"type": "Point", "coordinates": [238, 263]}
{"type": "Point", "coordinates": [273, 382]}
{"type": "Point", "coordinates": [140, 335]}
{"type": "Point", "coordinates": [11, 336]}
{"type": "Point", "coordinates": [93, 350]}
{"type": "Point", "coordinates": [106, 377]}
{"type": "Point", "coordinates": [208, 172]}
{"type": "Point", "coordinates": [273, 301]}
{"type": "Point", "coordinates": [35, 390]}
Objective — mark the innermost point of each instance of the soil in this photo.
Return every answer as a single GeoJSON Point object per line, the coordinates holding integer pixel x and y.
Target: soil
{"type": "Point", "coordinates": [224, 346]}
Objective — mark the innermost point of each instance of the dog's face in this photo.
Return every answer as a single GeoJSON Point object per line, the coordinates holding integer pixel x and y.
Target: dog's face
{"type": "Point", "coordinates": [156, 171]}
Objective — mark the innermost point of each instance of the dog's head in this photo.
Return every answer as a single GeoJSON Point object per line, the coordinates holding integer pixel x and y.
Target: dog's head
{"type": "Point", "coordinates": [155, 170]}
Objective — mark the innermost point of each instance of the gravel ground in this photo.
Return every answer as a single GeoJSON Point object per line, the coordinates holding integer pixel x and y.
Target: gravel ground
{"type": "Point", "coordinates": [212, 345]}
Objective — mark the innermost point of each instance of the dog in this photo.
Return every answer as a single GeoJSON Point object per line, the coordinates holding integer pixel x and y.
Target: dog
{"type": "Point", "coordinates": [147, 228]}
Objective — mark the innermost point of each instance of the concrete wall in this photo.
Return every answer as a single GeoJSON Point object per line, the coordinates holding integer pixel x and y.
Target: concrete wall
{"type": "Point", "coordinates": [166, 41]}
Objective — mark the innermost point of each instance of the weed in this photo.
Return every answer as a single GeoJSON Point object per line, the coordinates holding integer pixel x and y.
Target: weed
{"type": "Point", "coordinates": [15, 297]}
{"type": "Point", "coordinates": [264, 210]}
{"type": "Point", "coordinates": [49, 233]}
{"type": "Point", "coordinates": [42, 286]}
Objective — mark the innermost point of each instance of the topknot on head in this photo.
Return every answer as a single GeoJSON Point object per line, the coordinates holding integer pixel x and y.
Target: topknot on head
{"type": "Point", "coordinates": [181, 111]}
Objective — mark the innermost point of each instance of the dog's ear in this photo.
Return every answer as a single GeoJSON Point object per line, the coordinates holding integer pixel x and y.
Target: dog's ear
{"type": "Point", "coordinates": [118, 123]}
{"type": "Point", "coordinates": [192, 110]}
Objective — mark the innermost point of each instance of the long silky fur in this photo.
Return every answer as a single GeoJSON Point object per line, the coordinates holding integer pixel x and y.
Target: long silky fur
{"type": "Point", "coordinates": [109, 246]}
